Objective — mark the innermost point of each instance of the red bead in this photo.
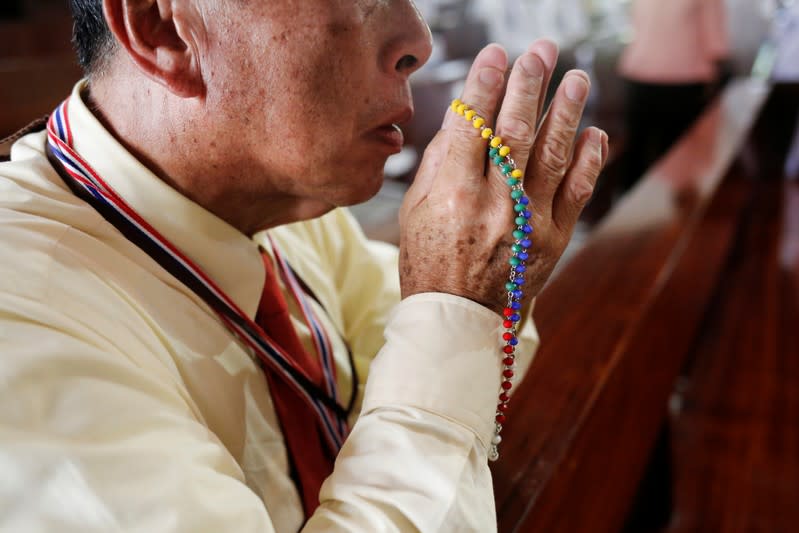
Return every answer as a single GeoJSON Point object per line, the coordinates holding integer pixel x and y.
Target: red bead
{"type": "Point", "coordinates": [507, 324]}
{"type": "Point", "coordinates": [507, 311]}
{"type": "Point", "coordinates": [500, 419]}
{"type": "Point", "coordinates": [507, 336]}
{"type": "Point", "coordinates": [502, 407]}
{"type": "Point", "coordinates": [504, 397]}
{"type": "Point", "coordinates": [508, 373]}
{"type": "Point", "coordinates": [508, 361]}
{"type": "Point", "coordinates": [507, 385]}
{"type": "Point", "coordinates": [508, 349]}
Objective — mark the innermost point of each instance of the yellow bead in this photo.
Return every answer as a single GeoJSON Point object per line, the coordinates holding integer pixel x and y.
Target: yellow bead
{"type": "Point", "coordinates": [486, 133]}
{"type": "Point", "coordinates": [504, 151]}
{"type": "Point", "coordinates": [470, 114]}
{"type": "Point", "coordinates": [496, 141]}
{"type": "Point", "coordinates": [455, 103]}
{"type": "Point", "coordinates": [461, 109]}
{"type": "Point", "coordinates": [517, 173]}
{"type": "Point", "coordinates": [478, 121]}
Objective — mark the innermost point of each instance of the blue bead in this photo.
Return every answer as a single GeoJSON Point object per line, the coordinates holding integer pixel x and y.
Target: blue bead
{"type": "Point", "coordinates": [516, 306]}
{"type": "Point", "coordinates": [517, 293]}
{"type": "Point", "coordinates": [519, 281]}
{"type": "Point", "coordinates": [515, 317]}
{"type": "Point", "coordinates": [526, 243]}
{"type": "Point", "coordinates": [523, 256]}
{"type": "Point", "coordinates": [527, 229]}
{"type": "Point", "coordinates": [521, 268]}
{"type": "Point", "coordinates": [525, 200]}
{"type": "Point", "coordinates": [527, 214]}
{"type": "Point", "coordinates": [514, 341]}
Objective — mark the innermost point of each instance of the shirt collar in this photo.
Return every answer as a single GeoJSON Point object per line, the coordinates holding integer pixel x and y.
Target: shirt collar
{"type": "Point", "coordinates": [228, 256]}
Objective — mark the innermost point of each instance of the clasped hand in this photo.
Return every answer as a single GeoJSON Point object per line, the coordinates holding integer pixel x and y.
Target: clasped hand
{"type": "Point", "coordinates": [457, 217]}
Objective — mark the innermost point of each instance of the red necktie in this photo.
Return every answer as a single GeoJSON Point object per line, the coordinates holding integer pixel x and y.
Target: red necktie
{"type": "Point", "coordinates": [310, 456]}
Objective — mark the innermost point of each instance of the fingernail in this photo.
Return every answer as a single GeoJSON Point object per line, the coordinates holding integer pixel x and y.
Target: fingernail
{"type": "Point", "coordinates": [576, 88]}
{"type": "Point", "coordinates": [546, 50]}
{"type": "Point", "coordinates": [532, 65]}
{"type": "Point", "coordinates": [604, 147]}
{"type": "Point", "coordinates": [490, 77]}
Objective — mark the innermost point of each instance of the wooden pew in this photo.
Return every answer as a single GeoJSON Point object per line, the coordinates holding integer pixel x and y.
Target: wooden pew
{"type": "Point", "coordinates": [43, 29]}
{"type": "Point", "coordinates": [736, 432]}
{"type": "Point", "coordinates": [617, 324]}
{"type": "Point", "coordinates": [37, 64]}
{"type": "Point", "coordinates": [31, 88]}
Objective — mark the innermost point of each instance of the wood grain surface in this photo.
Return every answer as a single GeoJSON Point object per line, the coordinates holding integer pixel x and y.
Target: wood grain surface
{"type": "Point", "coordinates": [736, 434]}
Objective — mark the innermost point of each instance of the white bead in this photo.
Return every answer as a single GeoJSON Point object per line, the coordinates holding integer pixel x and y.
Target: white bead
{"type": "Point", "coordinates": [496, 440]}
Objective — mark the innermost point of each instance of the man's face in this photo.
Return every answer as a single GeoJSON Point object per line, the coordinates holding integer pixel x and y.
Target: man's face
{"type": "Point", "coordinates": [306, 91]}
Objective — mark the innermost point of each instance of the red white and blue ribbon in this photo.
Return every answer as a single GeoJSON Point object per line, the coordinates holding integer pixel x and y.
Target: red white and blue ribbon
{"type": "Point", "coordinates": [318, 333]}
{"type": "Point", "coordinates": [103, 197]}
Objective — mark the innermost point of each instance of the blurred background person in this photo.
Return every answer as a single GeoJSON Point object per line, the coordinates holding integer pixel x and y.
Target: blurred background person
{"type": "Point", "coordinates": [677, 56]}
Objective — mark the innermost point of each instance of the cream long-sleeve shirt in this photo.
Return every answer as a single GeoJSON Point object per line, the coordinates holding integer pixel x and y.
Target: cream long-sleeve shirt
{"type": "Point", "coordinates": [675, 41]}
{"type": "Point", "coordinates": [126, 405]}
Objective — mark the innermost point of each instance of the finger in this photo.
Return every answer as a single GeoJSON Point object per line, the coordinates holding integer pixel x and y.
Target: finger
{"type": "Point", "coordinates": [554, 142]}
{"type": "Point", "coordinates": [481, 94]}
{"type": "Point", "coordinates": [433, 156]}
{"type": "Point", "coordinates": [518, 117]}
{"type": "Point", "coordinates": [547, 51]}
{"type": "Point", "coordinates": [449, 117]}
{"type": "Point", "coordinates": [578, 185]}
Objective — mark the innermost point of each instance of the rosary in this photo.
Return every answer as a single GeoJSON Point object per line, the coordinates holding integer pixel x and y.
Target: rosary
{"type": "Point", "coordinates": [500, 156]}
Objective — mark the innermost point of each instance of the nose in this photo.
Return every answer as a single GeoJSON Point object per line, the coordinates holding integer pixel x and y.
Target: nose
{"type": "Point", "coordinates": [410, 43]}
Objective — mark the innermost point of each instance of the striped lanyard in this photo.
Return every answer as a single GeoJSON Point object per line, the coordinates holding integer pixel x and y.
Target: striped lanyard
{"type": "Point", "coordinates": [87, 184]}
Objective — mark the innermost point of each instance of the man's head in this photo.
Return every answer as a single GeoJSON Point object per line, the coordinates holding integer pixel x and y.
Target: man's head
{"type": "Point", "coordinates": [296, 96]}
{"type": "Point", "coordinates": [91, 36]}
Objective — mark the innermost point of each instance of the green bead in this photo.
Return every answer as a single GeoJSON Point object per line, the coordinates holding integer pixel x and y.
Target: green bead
{"type": "Point", "coordinates": [494, 152]}
{"type": "Point", "coordinates": [516, 194]}
{"type": "Point", "coordinates": [518, 234]}
{"type": "Point", "coordinates": [521, 221]}
{"type": "Point", "coordinates": [516, 248]}
{"type": "Point", "coordinates": [511, 286]}
{"type": "Point", "coordinates": [515, 261]}
{"type": "Point", "coordinates": [512, 182]}
{"type": "Point", "coordinates": [498, 160]}
{"type": "Point", "coordinates": [506, 168]}
{"type": "Point", "coordinates": [518, 208]}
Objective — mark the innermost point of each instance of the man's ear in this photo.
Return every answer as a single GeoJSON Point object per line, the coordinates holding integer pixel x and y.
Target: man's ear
{"type": "Point", "coordinates": [160, 36]}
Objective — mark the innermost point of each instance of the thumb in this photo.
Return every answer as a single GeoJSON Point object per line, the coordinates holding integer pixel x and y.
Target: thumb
{"type": "Point", "coordinates": [432, 159]}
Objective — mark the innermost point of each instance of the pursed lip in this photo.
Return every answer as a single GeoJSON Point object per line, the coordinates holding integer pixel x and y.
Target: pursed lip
{"type": "Point", "coordinates": [389, 132]}
{"type": "Point", "coordinates": [390, 135]}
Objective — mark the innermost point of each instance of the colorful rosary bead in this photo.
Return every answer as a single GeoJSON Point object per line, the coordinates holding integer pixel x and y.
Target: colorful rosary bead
{"type": "Point", "coordinates": [499, 155]}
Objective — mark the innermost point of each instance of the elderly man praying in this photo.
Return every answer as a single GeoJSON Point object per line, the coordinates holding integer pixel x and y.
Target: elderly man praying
{"type": "Point", "coordinates": [194, 334]}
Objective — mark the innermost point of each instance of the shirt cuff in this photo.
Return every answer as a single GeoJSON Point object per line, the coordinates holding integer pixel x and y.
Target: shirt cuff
{"type": "Point", "coordinates": [442, 354]}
